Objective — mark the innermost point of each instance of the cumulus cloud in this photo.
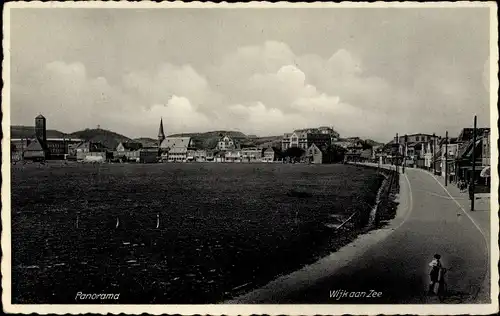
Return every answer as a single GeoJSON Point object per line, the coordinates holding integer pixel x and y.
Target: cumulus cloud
{"type": "Point", "coordinates": [241, 69]}
{"type": "Point", "coordinates": [262, 89]}
{"type": "Point", "coordinates": [486, 75]}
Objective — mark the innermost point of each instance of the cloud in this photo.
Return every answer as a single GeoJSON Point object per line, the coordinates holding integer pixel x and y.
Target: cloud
{"type": "Point", "coordinates": [169, 80]}
{"type": "Point", "coordinates": [256, 89]}
{"type": "Point", "coordinates": [67, 97]}
{"type": "Point", "coordinates": [261, 89]}
{"type": "Point", "coordinates": [486, 75]}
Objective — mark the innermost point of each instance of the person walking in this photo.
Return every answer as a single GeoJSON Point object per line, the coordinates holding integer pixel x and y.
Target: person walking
{"type": "Point", "coordinates": [435, 265]}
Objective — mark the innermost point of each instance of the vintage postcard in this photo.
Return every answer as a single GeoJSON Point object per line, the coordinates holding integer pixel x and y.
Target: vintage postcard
{"type": "Point", "coordinates": [250, 158]}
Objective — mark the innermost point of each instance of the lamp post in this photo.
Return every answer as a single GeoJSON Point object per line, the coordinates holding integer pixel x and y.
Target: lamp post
{"type": "Point", "coordinates": [404, 152]}
{"type": "Point", "coordinates": [473, 176]}
{"type": "Point", "coordinates": [397, 153]}
{"type": "Point", "coordinates": [434, 152]}
{"type": "Point", "coordinates": [446, 160]}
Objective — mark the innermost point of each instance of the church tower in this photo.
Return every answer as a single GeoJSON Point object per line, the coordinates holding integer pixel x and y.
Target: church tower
{"type": "Point", "coordinates": [161, 133]}
{"type": "Point", "coordinates": [41, 128]}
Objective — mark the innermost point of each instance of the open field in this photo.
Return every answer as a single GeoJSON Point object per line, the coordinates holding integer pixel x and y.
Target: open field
{"type": "Point", "coordinates": [224, 228]}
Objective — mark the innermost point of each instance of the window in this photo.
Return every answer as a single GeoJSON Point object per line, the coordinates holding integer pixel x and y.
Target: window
{"type": "Point", "coordinates": [417, 138]}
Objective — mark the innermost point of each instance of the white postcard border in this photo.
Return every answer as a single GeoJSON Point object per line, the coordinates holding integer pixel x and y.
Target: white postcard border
{"type": "Point", "coordinates": [239, 309]}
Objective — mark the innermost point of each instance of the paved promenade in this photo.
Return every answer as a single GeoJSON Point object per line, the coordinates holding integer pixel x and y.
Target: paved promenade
{"type": "Point", "coordinates": [393, 261]}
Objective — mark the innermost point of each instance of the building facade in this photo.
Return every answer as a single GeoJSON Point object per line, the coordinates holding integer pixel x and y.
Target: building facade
{"type": "Point", "coordinates": [480, 150]}
{"type": "Point", "coordinates": [200, 155]}
{"type": "Point", "coordinates": [415, 138]}
{"type": "Point", "coordinates": [486, 150]}
{"type": "Point", "coordinates": [251, 154]}
{"type": "Point", "coordinates": [447, 160]}
{"type": "Point", "coordinates": [314, 154]}
{"type": "Point", "coordinates": [90, 149]}
{"type": "Point", "coordinates": [177, 149]}
{"type": "Point", "coordinates": [128, 146]}
{"type": "Point", "coordinates": [226, 143]}
{"type": "Point", "coordinates": [232, 155]}
{"type": "Point", "coordinates": [269, 155]}
{"type": "Point", "coordinates": [304, 140]}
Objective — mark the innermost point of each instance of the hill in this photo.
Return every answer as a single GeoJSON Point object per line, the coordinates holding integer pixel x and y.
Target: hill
{"type": "Point", "coordinates": [373, 143]}
{"type": "Point", "coordinates": [209, 140]}
{"type": "Point", "coordinates": [146, 141]}
{"type": "Point", "coordinates": [18, 131]}
{"type": "Point", "coordinates": [232, 134]}
{"type": "Point", "coordinates": [107, 138]}
{"type": "Point", "coordinates": [268, 141]}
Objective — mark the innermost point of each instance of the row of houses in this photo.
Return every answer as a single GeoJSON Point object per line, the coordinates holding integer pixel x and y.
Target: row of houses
{"type": "Point", "coordinates": [315, 142]}
{"type": "Point", "coordinates": [304, 138]}
{"type": "Point", "coordinates": [450, 156]}
{"type": "Point", "coordinates": [180, 149]}
{"type": "Point", "coordinates": [312, 144]}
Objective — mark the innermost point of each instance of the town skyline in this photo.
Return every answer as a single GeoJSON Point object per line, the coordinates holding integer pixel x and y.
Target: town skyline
{"type": "Point", "coordinates": [256, 78]}
{"type": "Point", "coordinates": [382, 141]}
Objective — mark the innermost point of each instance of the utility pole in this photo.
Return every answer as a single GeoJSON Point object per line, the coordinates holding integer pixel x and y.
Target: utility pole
{"type": "Point", "coordinates": [473, 176]}
{"type": "Point", "coordinates": [404, 152]}
{"type": "Point", "coordinates": [397, 153]}
{"type": "Point", "coordinates": [434, 152]}
{"type": "Point", "coordinates": [22, 148]}
{"type": "Point", "coordinates": [446, 160]}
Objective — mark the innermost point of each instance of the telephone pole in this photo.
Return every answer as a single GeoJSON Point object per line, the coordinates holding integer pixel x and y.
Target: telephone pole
{"type": "Point", "coordinates": [404, 152]}
{"type": "Point", "coordinates": [473, 176]}
{"type": "Point", "coordinates": [434, 152]}
{"type": "Point", "coordinates": [397, 153]}
{"type": "Point", "coordinates": [446, 160]}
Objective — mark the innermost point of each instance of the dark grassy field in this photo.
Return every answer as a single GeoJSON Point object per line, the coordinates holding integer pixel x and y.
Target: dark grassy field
{"type": "Point", "coordinates": [224, 228]}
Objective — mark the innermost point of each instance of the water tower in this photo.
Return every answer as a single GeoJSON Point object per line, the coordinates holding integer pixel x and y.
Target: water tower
{"type": "Point", "coordinates": [41, 128]}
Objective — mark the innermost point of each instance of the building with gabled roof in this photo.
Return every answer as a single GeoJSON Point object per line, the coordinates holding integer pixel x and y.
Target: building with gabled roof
{"type": "Point", "coordinates": [177, 149]}
{"type": "Point", "coordinates": [314, 154]}
{"type": "Point", "coordinates": [226, 143]}
{"type": "Point", "coordinates": [269, 155]}
{"type": "Point", "coordinates": [38, 143]}
{"type": "Point", "coordinates": [175, 142]}
{"type": "Point", "coordinates": [304, 139]}
{"type": "Point", "coordinates": [36, 150]}
{"type": "Point", "coordinates": [128, 146]}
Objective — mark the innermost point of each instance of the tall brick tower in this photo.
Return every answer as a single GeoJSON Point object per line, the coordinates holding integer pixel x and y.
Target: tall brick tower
{"type": "Point", "coordinates": [41, 128]}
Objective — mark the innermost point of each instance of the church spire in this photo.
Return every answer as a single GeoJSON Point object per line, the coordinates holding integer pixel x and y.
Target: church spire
{"type": "Point", "coordinates": [161, 133]}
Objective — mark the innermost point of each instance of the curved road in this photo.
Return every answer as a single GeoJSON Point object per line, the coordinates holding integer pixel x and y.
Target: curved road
{"type": "Point", "coordinates": [429, 221]}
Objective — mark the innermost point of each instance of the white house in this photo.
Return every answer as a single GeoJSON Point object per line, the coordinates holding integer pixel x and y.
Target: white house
{"type": "Point", "coordinates": [251, 154]}
{"type": "Point", "coordinates": [269, 155]}
{"type": "Point", "coordinates": [233, 155]}
{"type": "Point", "coordinates": [226, 143]}
{"type": "Point", "coordinates": [200, 155]}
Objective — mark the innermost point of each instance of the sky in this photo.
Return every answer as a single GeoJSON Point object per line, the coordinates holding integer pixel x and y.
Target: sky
{"type": "Point", "coordinates": [370, 73]}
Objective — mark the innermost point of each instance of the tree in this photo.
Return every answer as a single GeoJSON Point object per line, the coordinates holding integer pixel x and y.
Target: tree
{"type": "Point", "coordinates": [278, 153]}
{"type": "Point", "coordinates": [366, 144]}
{"type": "Point", "coordinates": [294, 153]}
{"type": "Point", "coordinates": [334, 153]}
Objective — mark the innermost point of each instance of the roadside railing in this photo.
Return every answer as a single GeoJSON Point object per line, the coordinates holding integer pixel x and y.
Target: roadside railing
{"type": "Point", "coordinates": [382, 210]}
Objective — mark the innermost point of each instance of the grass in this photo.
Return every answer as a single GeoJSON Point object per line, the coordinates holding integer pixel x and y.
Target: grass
{"type": "Point", "coordinates": [224, 228]}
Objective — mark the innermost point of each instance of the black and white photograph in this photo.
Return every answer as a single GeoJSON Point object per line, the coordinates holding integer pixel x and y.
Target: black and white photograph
{"type": "Point", "coordinates": [250, 158]}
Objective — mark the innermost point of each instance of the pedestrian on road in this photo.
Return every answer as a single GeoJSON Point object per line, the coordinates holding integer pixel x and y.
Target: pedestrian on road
{"type": "Point", "coordinates": [435, 265]}
{"type": "Point", "coordinates": [471, 191]}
